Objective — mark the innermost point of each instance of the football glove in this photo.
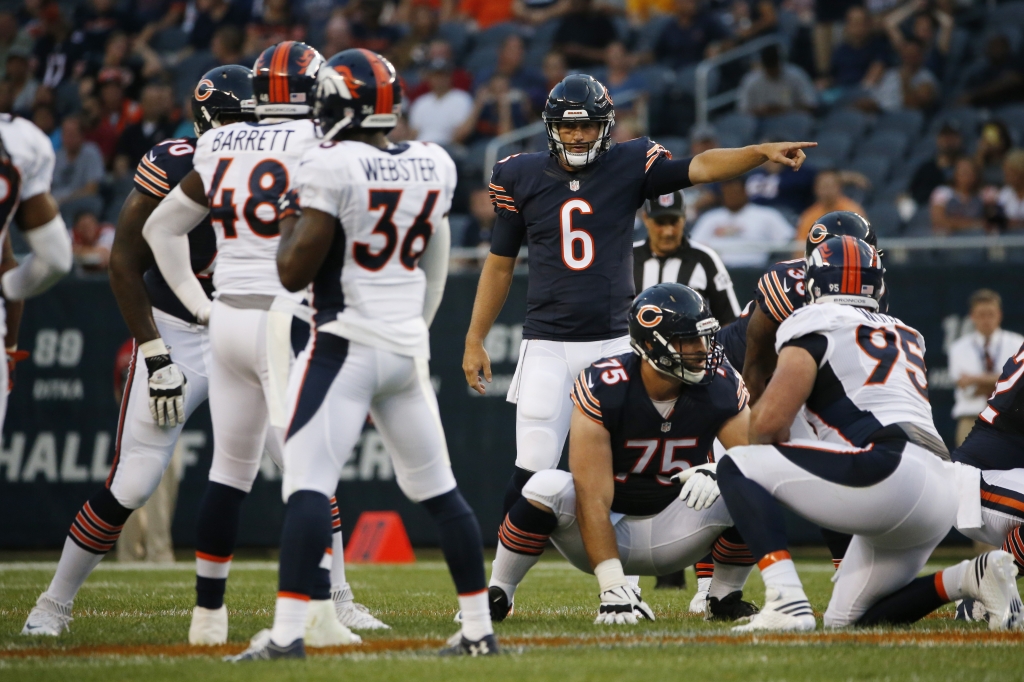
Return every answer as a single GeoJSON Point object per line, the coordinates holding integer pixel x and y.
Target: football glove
{"type": "Point", "coordinates": [167, 386]}
{"type": "Point", "coordinates": [622, 606]}
{"type": "Point", "coordinates": [700, 486]}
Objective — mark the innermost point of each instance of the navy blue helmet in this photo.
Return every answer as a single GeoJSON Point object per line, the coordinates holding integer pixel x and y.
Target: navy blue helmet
{"type": "Point", "coordinates": [357, 88]}
{"type": "Point", "coordinates": [578, 98]}
{"type": "Point", "coordinates": [669, 311]}
{"type": "Point", "coordinates": [844, 270]}
{"type": "Point", "coordinates": [837, 224]}
{"type": "Point", "coordinates": [224, 92]}
{"type": "Point", "coordinates": [284, 80]}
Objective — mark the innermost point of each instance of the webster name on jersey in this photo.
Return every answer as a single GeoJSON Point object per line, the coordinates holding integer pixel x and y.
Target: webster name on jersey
{"type": "Point", "coordinates": [422, 169]}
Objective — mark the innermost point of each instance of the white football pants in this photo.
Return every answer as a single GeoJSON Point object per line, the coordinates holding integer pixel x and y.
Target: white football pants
{"type": "Point", "coordinates": [648, 545]}
{"type": "Point", "coordinates": [1001, 496]}
{"type": "Point", "coordinates": [896, 523]}
{"type": "Point", "coordinates": [540, 389]}
{"type": "Point", "coordinates": [334, 384]}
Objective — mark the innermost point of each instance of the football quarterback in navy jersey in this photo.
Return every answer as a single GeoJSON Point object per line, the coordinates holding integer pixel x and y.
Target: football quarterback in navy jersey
{"type": "Point", "coordinates": [574, 206]}
{"type": "Point", "coordinates": [641, 494]}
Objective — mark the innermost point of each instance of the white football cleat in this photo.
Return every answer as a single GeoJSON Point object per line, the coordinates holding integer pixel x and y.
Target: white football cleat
{"type": "Point", "coordinates": [323, 628]}
{"type": "Point", "coordinates": [209, 626]}
{"type": "Point", "coordinates": [353, 615]}
{"type": "Point", "coordinates": [991, 579]}
{"type": "Point", "coordinates": [781, 611]}
{"type": "Point", "coordinates": [699, 603]}
{"type": "Point", "coordinates": [48, 618]}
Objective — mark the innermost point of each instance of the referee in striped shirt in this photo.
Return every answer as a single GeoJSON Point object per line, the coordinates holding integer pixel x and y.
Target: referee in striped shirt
{"type": "Point", "coordinates": [668, 256]}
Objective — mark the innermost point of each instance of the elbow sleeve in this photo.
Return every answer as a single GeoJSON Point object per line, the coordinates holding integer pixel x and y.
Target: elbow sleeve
{"type": "Point", "coordinates": [435, 265]}
{"type": "Point", "coordinates": [49, 261]}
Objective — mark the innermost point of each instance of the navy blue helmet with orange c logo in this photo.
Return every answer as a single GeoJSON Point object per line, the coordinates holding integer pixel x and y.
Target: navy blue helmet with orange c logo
{"type": "Point", "coordinates": [357, 88]}
{"type": "Point", "coordinates": [845, 270]}
{"type": "Point", "coordinates": [837, 224]}
{"type": "Point", "coordinates": [669, 311]}
{"type": "Point", "coordinates": [223, 93]}
{"type": "Point", "coordinates": [284, 80]}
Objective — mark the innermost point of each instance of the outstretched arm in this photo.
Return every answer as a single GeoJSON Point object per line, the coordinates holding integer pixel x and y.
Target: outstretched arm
{"type": "Point", "coordinates": [47, 236]}
{"type": "Point", "coordinates": [716, 165]}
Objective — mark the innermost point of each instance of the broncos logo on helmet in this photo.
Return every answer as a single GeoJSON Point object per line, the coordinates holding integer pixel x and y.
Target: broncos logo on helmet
{"type": "Point", "coordinates": [357, 89]}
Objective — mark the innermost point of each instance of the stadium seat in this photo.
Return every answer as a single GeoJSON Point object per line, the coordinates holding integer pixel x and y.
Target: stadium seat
{"type": "Point", "coordinates": [885, 219]}
{"type": "Point", "coordinates": [822, 160]}
{"type": "Point", "coordinates": [540, 43]}
{"type": "Point", "coordinates": [908, 122]}
{"type": "Point", "coordinates": [742, 126]}
{"type": "Point", "coordinates": [874, 168]}
{"type": "Point", "coordinates": [968, 118]}
{"type": "Point", "coordinates": [456, 35]}
{"type": "Point", "coordinates": [834, 144]}
{"type": "Point", "coordinates": [891, 144]}
{"type": "Point", "coordinates": [459, 223]}
{"type": "Point", "coordinates": [651, 31]}
{"type": "Point", "coordinates": [492, 36]}
{"type": "Point", "coordinates": [920, 225]}
{"type": "Point", "coordinates": [687, 80]}
{"type": "Point", "coordinates": [794, 126]}
{"type": "Point", "coordinates": [481, 59]}
{"type": "Point", "coordinates": [1013, 116]}
{"type": "Point", "coordinates": [1007, 13]}
{"type": "Point", "coordinates": [849, 121]}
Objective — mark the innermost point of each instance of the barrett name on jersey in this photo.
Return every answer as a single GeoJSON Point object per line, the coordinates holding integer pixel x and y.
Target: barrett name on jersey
{"type": "Point", "coordinates": [648, 447]}
{"type": "Point", "coordinates": [160, 171]}
{"type": "Point", "coordinates": [387, 203]}
{"type": "Point", "coordinates": [864, 359]}
{"type": "Point", "coordinates": [579, 227]}
{"type": "Point", "coordinates": [246, 167]}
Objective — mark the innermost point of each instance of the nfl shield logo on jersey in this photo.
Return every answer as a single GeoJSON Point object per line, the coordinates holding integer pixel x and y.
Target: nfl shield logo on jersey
{"type": "Point", "coordinates": [574, 185]}
{"type": "Point", "coordinates": [666, 427]}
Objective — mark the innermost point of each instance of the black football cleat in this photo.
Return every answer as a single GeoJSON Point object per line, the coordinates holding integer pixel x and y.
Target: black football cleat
{"type": "Point", "coordinates": [731, 607]}
{"type": "Point", "coordinates": [501, 607]}
{"type": "Point", "coordinates": [458, 645]}
{"type": "Point", "coordinates": [671, 581]}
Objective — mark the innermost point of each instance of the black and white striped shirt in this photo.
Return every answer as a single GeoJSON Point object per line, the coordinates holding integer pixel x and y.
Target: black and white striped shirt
{"type": "Point", "coordinates": [694, 265]}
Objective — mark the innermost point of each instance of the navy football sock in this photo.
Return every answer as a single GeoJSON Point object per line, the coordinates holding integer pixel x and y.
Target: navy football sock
{"type": "Point", "coordinates": [526, 529]}
{"type": "Point", "coordinates": [906, 605]}
{"type": "Point", "coordinates": [756, 514]}
{"type": "Point", "coordinates": [461, 542]}
{"type": "Point", "coordinates": [215, 539]}
{"type": "Point", "coordinates": [837, 543]}
{"type": "Point", "coordinates": [514, 490]}
{"type": "Point", "coordinates": [98, 524]}
{"type": "Point", "coordinates": [305, 539]}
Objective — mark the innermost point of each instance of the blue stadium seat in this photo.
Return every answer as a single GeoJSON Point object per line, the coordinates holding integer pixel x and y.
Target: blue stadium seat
{"type": "Point", "coordinates": [492, 36]}
{"type": "Point", "coordinates": [850, 121]}
{"type": "Point", "coordinates": [891, 144]}
{"type": "Point", "coordinates": [793, 126]}
{"type": "Point", "coordinates": [875, 168]}
{"type": "Point", "coordinates": [885, 218]}
{"type": "Point", "coordinates": [834, 144]}
{"type": "Point", "coordinates": [920, 225]}
{"type": "Point", "coordinates": [1013, 116]}
{"type": "Point", "coordinates": [737, 124]}
{"type": "Point", "coordinates": [968, 118]}
{"type": "Point", "coordinates": [687, 79]}
{"type": "Point", "coordinates": [1007, 13]}
{"type": "Point", "coordinates": [540, 43]}
{"type": "Point", "coordinates": [821, 160]}
{"type": "Point", "coordinates": [456, 35]}
{"type": "Point", "coordinates": [909, 122]}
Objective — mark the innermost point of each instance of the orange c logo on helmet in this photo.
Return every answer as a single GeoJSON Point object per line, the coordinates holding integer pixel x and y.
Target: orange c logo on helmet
{"type": "Point", "coordinates": [203, 90]}
{"type": "Point", "coordinates": [649, 316]}
{"type": "Point", "coordinates": [350, 81]}
{"type": "Point", "coordinates": [817, 234]}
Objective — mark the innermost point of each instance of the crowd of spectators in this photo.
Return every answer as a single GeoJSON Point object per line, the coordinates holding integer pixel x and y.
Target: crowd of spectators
{"type": "Point", "coordinates": [932, 89]}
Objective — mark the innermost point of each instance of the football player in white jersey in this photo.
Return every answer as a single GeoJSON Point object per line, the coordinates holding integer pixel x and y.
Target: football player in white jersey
{"type": "Point", "coordinates": [879, 473]}
{"type": "Point", "coordinates": [241, 172]}
{"type": "Point", "coordinates": [26, 171]}
{"type": "Point", "coordinates": [373, 239]}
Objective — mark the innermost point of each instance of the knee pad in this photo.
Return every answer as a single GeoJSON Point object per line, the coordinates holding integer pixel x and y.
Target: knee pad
{"type": "Point", "coordinates": [544, 389]}
{"type": "Point", "coordinates": [547, 487]}
{"type": "Point", "coordinates": [135, 479]}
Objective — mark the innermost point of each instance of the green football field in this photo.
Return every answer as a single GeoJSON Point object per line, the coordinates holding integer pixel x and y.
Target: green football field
{"type": "Point", "coordinates": [132, 624]}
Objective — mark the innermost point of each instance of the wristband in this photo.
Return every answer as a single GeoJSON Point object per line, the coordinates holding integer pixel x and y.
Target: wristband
{"type": "Point", "coordinates": [610, 575]}
{"type": "Point", "coordinates": [153, 348]}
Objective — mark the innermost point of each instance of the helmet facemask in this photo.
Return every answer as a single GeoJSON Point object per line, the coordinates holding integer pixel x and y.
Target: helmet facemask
{"type": "Point", "coordinates": [690, 367]}
{"type": "Point", "coordinates": [595, 148]}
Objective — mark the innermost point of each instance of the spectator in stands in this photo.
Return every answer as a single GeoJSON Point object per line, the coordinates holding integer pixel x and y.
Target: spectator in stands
{"type": "Point", "coordinates": [23, 86]}
{"type": "Point", "coordinates": [949, 145]}
{"type": "Point", "coordinates": [828, 192]}
{"type": "Point", "coordinates": [860, 60]}
{"type": "Point", "coordinates": [693, 35]}
{"type": "Point", "coordinates": [777, 186]}
{"type": "Point", "coordinates": [58, 52]}
{"type": "Point", "coordinates": [700, 198]}
{"type": "Point", "coordinates": [554, 69]}
{"type": "Point", "coordinates": [437, 115]}
{"type": "Point", "coordinates": [583, 35]}
{"type": "Point", "coordinates": [1011, 196]}
{"type": "Point", "coordinates": [998, 80]}
{"type": "Point", "coordinates": [113, 112]}
{"type": "Point", "coordinates": [153, 16]}
{"type": "Point", "coordinates": [97, 20]}
{"type": "Point", "coordinates": [486, 13]}
{"type": "Point", "coordinates": [337, 34]}
{"type": "Point", "coordinates": [411, 51]}
{"type": "Point", "coordinates": [117, 54]}
{"type": "Point", "coordinates": [481, 213]}
{"type": "Point", "coordinates": [276, 22]}
{"type": "Point", "coordinates": [993, 145]}
{"type": "Point", "coordinates": [977, 358]}
{"type": "Point", "coordinates": [510, 65]}
{"type": "Point", "coordinates": [441, 51]}
{"type": "Point", "coordinates": [498, 108]}
{"type": "Point", "coordinates": [640, 12]}
{"type": "Point", "coordinates": [751, 19]}
{"type": "Point", "coordinates": [212, 15]}
{"type": "Point", "coordinates": [11, 38]}
{"type": "Point", "coordinates": [77, 172]}
{"type": "Point", "coordinates": [91, 241]}
{"type": "Point", "coordinates": [739, 223]}
{"type": "Point", "coordinates": [958, 208]}
{"type": "Point", "coordinates": [934, 28]}
{"type": "Point", "coordinates": [906, 86]}
{"type": "Point", "coordinates": [776, 88]}
{"type": "Point", "coordinates": [155, 126]}
{"type": "Point", "coordinates": [46, 120]}
{"type": "Point", "coordinates": [629, 92]}
{"type": "Point", "coordinates": [369, 31]}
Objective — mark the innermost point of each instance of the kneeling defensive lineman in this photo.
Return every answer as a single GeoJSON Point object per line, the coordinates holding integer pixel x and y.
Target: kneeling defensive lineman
{"type": "Point", "coordinates": [879, 475]}
{"type": "Point", "coordinates": [371, 210]}
{"type": "Point", "coordinates": [641, 497]}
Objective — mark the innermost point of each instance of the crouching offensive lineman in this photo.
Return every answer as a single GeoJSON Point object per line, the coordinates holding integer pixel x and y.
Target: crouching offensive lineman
{"type": "Point", "coordinates": [641, 498]}
{"type": "Point", "coordinates": [878, 472]}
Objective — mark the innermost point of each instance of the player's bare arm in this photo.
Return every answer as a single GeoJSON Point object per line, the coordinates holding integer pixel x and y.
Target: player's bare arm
{"type": "Point", "coordinates": [304, 245]}
{"type": "Point", "coordinates": [590, 461]}
{"type": "Point", "coordinates": [786, 393]}
{"type": "Point", "coordinates": [736, 431]}
{"type": "Point", "coordinates": [759, 361]}
{"type": "Point", "coordinates": [491, 292]}
{"type": "Point", "coordinates": [716, 165]}
{"type": "Point", "coordinates": [130, 257]}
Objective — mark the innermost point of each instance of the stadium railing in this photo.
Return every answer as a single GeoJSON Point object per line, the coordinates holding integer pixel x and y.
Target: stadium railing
{"type": "Point", "coordinates": [706, 102]}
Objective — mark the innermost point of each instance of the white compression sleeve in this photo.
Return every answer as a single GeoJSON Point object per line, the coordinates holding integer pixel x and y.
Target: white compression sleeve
{"type": "Point", "coordinates": [435, 264]}
{"type": "Point", "coordinates": [166, 230]}
{"type": "Point", "coordinates": [50, 260]}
